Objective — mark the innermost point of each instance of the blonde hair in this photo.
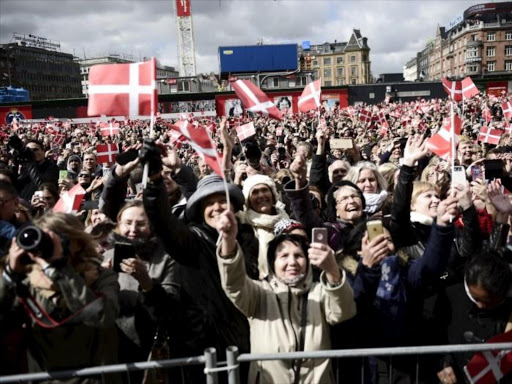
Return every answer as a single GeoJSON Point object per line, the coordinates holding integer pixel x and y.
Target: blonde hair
{"type": "Point", "coordinates": [353, 174]}
{"type": "Point", "coordinates": [387, 170]}
{"type": "Point", "coordinates": [420, 187]}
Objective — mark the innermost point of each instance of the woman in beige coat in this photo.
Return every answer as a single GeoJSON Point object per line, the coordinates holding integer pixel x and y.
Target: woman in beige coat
{"type": "Point", "coordinates": [287, 312]}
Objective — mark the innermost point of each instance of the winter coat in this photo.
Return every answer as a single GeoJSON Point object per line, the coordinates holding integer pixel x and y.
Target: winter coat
{"type": "Point", "coordinates": [34, 174]}
{"type": "Point", "coordinates": [209, 318]}
{"type": "Point", "coordinates": [274, 310]}
{"type": "Point", "coordinates": [90, 342]}
{"type": "Point", "coordinates": [140, 312]}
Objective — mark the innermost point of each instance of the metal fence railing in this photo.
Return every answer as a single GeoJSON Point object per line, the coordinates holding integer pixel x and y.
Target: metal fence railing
{"type": "Point", "coordinates": [232, 365]}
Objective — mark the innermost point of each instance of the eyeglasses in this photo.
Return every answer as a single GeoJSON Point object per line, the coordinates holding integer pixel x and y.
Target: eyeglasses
{"type": "Point", "coordinates": [84, 175]}
{"type": "Point", "coordinates": [344, 199]}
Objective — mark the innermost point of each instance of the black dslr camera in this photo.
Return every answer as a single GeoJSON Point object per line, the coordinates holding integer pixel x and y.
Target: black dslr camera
{"type": "Point", "coordinates": [34, 239]}
{"type": "Point", "coordinates": [22, 154]}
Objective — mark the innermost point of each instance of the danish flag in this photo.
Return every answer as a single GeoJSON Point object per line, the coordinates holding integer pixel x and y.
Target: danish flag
{"type": "Point", "coordinates": [381, 119]}
{"type": "Point", "coordinates": [109, 129]}
{"type": "Point", "coordinates": [453, 89]}
{"type": "Point", "coordinates": [469, 88]}
{"type": "Point", "coordinates": [440, 143]}
{"type": "Point", "coordinates": [490, 135]}
{"type": "Point", "coordinates": [489, 367]}
{"type": "Point", "coordinates": [59, 139]}
{"type": "Point", "coordinates": [201, 142]}
{"type": "Point", "coordinates": [507, 110]}
{"type": "Point", "coordinates": [106, 153]}
{"type": "Point", "coordinates": [70, 200]}
{"type": "Point", "coordinates": [365, 116]}
{"type": "Point", "coordinates": [123, 89]}
{"type": "Point", "coordinates": [245, 131]}
{"type": "Point", "coordinates": [254, 100]}
{"type": "Point", "coordinates": [52, 129]}
{"type": "Point", "coordinates": [310, 98]}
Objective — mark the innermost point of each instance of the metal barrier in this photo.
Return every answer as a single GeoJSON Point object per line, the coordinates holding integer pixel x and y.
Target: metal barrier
{"type": "Point", "coordinates": [232, 365]}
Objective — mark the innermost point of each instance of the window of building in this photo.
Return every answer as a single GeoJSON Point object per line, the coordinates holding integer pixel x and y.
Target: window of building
{"type": "Point", "coordinates": [339, 82]}
{"type": "Point", "coordinates": [327, 73]}
{"type": "Point", "coordinates": [301, 81]}
{"type": "Point", "coordinates": [339, 60]}
{"type": "Point", "coordinates": [508, 65]}
{"type": "Point", "coordinates": [352, 59]}
{"type": "Point", "coordinates": [315, 63]}
{"type": "Point", "coordinates": [474, 37]}
{"type": "Point", "coordinates": [491, 51]}
{"type": "Point", "coordinates": [184, 86]}
{"type": "Point", "coordinates": [328, 83]}
{"type": "Point", "coordinates": [508, 35]}
{"type": "Point", "coordinates": [339, 72]}
{"type": "Point", "coordinates": [508, 50]}
{"type": "Point", "coordinates": [491, 66]}
{"type": "Point", "coordinates": [353, 71]}
{"type": "Point", "coordinates": [491, 36]}
{"type": "Point", "coordinates": [354, 81]}
{"type": "Point", "coordinates": [327, 61]}
{"type": "Point", "coordinates": [275, 82]}
{"type": "Point", "coordinates": [471, 52]}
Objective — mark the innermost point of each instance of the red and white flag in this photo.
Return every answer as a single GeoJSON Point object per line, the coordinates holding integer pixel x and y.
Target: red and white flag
{"type": "Point", "coordinates": [109, 129]}
{"type": "Point", "coordinates": [106, 153]}
{"type": "Point", "coordinates": [310, 98]}
{"type": "Point", "coordinates": [365, 116]}
{"type": "Point", "coordinates": [381, 119]}
{"type": "Point", "coordinates": [245, 131]}
{"type": "Point", "coordinates": [59, 139]}
{"type": "Point", "coordinates": [489, 367]}
{"type": "Point", "coordinates": [441, 142]}
{"type": "Point", "coordinates": [123, 89]}
{"type": "Point", "coordinates": [490, 135]}
{"type": "Point", "coordinates": [469, 88]}
{"type": "Point", "coordinates": [453, 89]}
{"type": "Point", "coordinates": [507, 110]}
{"type": "Point", "coordinates": [201, 142]}
{"type": "Point", "coordinates": [255, 100]}
{"type": "Point", "coordinates": [71, 200]}
{"type": "Point", "coordinates": [52, 129]}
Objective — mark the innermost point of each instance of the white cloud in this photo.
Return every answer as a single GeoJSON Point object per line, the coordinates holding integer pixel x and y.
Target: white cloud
{"type": "Point", "coordinates": [396, 30]}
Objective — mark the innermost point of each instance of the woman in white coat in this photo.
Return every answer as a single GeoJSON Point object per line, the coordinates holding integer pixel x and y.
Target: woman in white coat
{"type": "Point", "coordinates": [287, 312]}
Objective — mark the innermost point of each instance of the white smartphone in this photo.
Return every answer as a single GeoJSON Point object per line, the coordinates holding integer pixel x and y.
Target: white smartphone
{"type": "Point", "coordinates": [459, 175]}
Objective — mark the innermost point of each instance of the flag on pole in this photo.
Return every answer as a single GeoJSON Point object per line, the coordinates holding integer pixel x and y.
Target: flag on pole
{"type": "Point", "coordinates": [255, 100]}
{"type": "Point", "coordinates": [201, 142]}
{"type": "Point", "coordinates": [441, 142]}
{"type": "Point", "coordinates": [52, 129]}
{"type": "Point", "coordinates": [489, 367]}
{"type": "Point", "coordinates": [381, 119]}
{"type": "Point", "coordinates": [469, 88]}
{"type": "Point", "coordinates": [106, 153]}
{"type": "Point", "coordinates": [245, 131]}
{"type": "Point", "coordinates": [490, 135]}
{"type": "Point", "coordinates": [109, 129]}
{"type": "Point", "coordinates": [507, 110]}
{"type": "Point", "coordinates": [70, 200]}
{"type": "Point", "coordinates": [123, 89]}
{"type": "Point", "coordinates": [310, 98]}
{"type": "Point", "coordinates": [453, 89]}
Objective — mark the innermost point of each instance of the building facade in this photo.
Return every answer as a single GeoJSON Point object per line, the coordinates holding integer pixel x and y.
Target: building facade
{"type": "Point", "coordinates": [340, 63]}
{"type": "Point", "coordinates": [477, 43]}
{"type": "Point", "coordinates": [163, 72]}
{"type": "Point", "coordinates": [46, 74]}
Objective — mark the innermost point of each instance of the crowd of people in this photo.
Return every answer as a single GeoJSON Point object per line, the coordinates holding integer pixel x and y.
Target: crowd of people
{"type": "Point", "coordinates": [325, 231]}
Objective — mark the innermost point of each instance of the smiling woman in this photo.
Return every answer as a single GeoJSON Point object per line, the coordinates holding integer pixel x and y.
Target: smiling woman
{"type": "Point", "coordinates": [262, 212]}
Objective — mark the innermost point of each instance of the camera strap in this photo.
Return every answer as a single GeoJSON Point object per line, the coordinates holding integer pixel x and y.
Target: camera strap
{"type": "Point", "coordinates": [43, 319]}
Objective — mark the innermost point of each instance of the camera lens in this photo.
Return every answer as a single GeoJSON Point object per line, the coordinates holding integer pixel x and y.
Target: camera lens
{"type": "Point", "coordinates": [29, 238]}
{"type": "Point", "coordinates": [33, 239]}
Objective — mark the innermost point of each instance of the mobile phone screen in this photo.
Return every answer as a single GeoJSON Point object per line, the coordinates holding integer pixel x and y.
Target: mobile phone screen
{"type": "Point", "coordinates": [319, 235]}
{"type": "Point", "coordinates": [122, 251]}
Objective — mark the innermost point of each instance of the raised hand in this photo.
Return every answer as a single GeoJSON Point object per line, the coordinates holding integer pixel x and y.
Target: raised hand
{"type": "Point", "coordinates": [373, 252]}
{"type": "Point", "coordinates": [447, 210]}
{"type": "Point", "coordinates": [500, 201]}
{"type": "Point", "coordinates": [415, 149]}
{"type": "Point", "coordinates": [322, 256]}
{"type": "Point", "coordinates": [299, 171]}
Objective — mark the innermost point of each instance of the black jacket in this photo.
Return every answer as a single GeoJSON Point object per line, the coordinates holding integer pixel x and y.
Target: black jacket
{"type": "Point", "coordinates": [34, 174]}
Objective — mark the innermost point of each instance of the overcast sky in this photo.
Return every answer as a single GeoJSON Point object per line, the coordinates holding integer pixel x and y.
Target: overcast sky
{"type": "Point", "coordinates": [396, 30]}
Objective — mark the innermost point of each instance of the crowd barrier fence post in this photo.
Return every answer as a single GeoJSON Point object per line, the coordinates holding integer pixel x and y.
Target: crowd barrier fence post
{"type": "Point", "coordinates": [210, 356]}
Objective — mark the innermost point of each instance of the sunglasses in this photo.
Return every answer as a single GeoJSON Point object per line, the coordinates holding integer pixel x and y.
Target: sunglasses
{"type": "Point", "coordinates": [84, 175]}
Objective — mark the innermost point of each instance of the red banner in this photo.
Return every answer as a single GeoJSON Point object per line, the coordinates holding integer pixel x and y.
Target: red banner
{"type": "Point", "coordinates": [496, 88]}
{"type": "Point", "coordinates": [8, 113]}
{"type": "Point", "coordinates": [183, 8]}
